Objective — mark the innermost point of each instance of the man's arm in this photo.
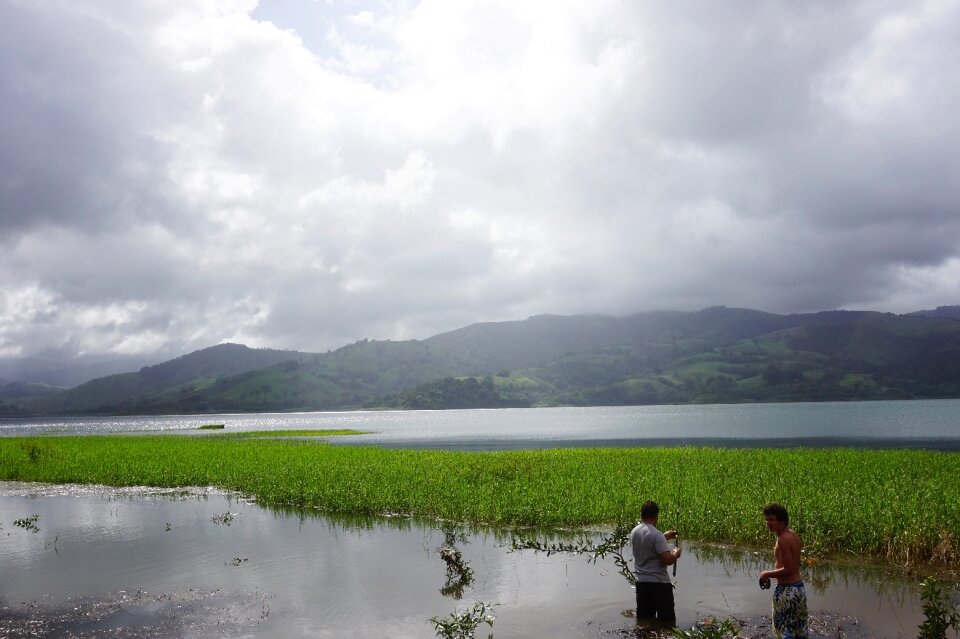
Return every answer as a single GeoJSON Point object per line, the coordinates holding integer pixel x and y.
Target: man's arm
{"type": "Point", "coordinates": [667, 556]}
{"type": "Point", "coordinates": [670, 557]}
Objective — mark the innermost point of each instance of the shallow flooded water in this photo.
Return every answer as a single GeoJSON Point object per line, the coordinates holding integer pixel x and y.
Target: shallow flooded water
{"type": "Point", "coordinates": [202, 563]}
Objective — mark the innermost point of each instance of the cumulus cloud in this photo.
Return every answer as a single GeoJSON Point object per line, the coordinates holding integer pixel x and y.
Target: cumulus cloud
{"type": "Point", "coordinates": [300, 175]}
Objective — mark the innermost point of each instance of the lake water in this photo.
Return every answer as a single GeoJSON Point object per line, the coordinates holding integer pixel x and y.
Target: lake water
{"type": "Point", "coordinates": [931, 424]}
{"type": "Point", "coordinates": [130, 563]}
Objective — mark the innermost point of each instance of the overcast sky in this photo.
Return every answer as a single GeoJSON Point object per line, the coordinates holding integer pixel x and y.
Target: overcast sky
{"type": "Point", "coordinates": [301, 174]}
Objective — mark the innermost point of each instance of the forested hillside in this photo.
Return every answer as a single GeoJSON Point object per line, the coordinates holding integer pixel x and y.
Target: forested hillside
{"type": "Point", "coordinates": [715, 355]}
{"type": "Point", "coordinates": [181, 378]}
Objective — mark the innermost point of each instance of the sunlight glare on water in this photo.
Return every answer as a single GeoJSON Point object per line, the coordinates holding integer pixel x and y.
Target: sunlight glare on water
{"type": "Point", "coordinates": [932, 424]}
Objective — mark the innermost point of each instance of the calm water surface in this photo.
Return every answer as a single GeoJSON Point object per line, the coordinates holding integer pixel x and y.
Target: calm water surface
{"type": "Point", "coordinates": [162, 560]}
{"type": "Point", "coordinates": [933, 424]}
{"type": "Point", "coordinates": [266, 573]}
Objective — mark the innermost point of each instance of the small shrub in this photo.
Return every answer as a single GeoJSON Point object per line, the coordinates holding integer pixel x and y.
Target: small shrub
{"type": "Point", "coordinates": [940, 614]}
{"type": "Point", "coordinates": [463, 622]}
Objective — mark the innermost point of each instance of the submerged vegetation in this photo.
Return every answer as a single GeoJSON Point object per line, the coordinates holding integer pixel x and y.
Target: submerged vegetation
{"type": "Point", "coordinates": [223, 519]}
{"type": "Point", "coordinates": [28, 523]}
{"type": "Point", "coordinates": [902, 506]}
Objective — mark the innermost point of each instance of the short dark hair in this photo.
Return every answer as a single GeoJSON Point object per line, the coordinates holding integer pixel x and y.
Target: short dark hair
{"type": "Point", "coordinates": [649, 510]}
{"type": "Point", "coordinates": [777, 511]}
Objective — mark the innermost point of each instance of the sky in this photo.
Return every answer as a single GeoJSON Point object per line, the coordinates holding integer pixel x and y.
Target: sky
{"type": "Point", "coordinates": [302, 174]}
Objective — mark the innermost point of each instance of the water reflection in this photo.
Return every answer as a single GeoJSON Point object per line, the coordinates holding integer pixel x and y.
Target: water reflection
{"type": "Point", "coordinates": [458, 571]}
{"type": "Point", "coordinates": [283, 572]}
{"type": "Point", "coordinates": [820, 575]}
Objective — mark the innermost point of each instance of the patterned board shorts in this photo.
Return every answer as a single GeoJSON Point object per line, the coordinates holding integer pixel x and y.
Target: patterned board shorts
{"type": "Point", "coordinates": [790, 611]}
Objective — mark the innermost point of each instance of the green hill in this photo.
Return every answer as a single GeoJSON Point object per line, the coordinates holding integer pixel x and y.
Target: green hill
{"type": "Point", "coordinates": [151, 386]}
{"type": "Point", "coordinates": [715, 355]}
{"type": "Point", "coordinates": [18, 392]}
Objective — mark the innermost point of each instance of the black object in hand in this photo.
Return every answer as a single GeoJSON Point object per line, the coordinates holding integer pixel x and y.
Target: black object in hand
{"type": "Point", "coordinates": [764, 584]}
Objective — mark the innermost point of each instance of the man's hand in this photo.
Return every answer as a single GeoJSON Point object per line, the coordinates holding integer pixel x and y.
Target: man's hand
{"type": "Point", "coordinates": [765, 579]}
{"type": "Point", "coordinates": [669, 557]}
{"type": "Point", "coordinates": [670, 534]}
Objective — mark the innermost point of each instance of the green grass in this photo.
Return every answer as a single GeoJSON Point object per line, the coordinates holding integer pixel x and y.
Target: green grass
{"type": "Point", "coordinates": [897, 505]}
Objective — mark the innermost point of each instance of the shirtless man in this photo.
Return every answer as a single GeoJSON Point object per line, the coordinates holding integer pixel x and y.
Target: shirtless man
{"type": "Point", "coordinates": [789, 597]}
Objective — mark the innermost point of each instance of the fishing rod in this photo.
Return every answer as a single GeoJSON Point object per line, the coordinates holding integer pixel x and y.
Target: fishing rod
{"type": "Point", "coordinates": [676, 540]}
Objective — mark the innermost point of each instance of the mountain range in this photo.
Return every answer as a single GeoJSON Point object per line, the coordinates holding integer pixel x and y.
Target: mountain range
{"type": "Point", "coordinates": [716, 355]}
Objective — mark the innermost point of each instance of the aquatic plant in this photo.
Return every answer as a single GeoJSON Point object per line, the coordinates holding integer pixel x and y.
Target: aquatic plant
{"type": "Point", "coordinates": [462, 623]}
{"type": "Point", "coordinates": [710, 628]}
{"type": "Point", "coordinates": [28, 523]}
{"type": "Point", "coordinates": [211, 427]}
{"type": "Point", "coordinates": [899, 505]}
{"type": "Point", "coordinates": [940, 614]}
{"type": "Point", "coordinates": [223, 519]}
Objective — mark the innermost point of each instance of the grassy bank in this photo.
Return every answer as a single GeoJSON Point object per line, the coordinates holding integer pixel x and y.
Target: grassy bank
{"type": "Point", "coordinates": [899, 505]}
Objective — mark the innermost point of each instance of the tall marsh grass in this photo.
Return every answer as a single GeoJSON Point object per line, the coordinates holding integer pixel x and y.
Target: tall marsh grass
{"type": "Point", "coordinates": [898, 505]}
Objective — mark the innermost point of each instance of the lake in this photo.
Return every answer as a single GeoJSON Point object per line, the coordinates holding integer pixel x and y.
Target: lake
{"type": "Point", "coordinates": [134, 563]}
{"type": "Point", "coordinates": [930, 424]}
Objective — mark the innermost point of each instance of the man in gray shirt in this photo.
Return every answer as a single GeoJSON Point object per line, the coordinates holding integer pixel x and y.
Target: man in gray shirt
{"type": "Point", "coordinates": [651, 556]}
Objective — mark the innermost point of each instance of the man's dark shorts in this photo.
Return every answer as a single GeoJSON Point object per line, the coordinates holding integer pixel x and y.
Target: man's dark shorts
{"type": "Point", "coordinates": [655, 601]}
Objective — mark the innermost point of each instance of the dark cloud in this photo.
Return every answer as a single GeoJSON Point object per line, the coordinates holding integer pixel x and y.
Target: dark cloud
{"type": "Point", "coordinates": [176, 175]}
{"type": "Point", "coordinates": [81, 107]}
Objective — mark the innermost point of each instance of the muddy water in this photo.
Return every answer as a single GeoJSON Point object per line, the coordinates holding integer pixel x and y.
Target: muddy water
{"type": "Point", "coordinates": [205, 564]}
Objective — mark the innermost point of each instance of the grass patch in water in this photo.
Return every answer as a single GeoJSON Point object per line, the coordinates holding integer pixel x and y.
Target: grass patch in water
{"type": "Point", "coordinates": [901, 505]}
{"type": "Point", "coordinates": [211, 427]}
{"type": "Point", "coordinates": [255, 434]}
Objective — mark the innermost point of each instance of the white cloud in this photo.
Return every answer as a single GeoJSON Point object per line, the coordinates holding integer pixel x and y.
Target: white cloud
{"type": "Point", "coordinates": [184, 173]}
